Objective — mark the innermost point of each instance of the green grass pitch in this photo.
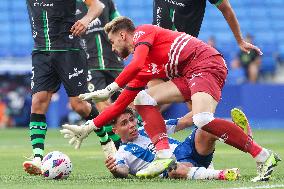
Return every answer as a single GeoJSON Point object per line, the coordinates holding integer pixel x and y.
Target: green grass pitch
{"type": "Point", "coordinates": [89, 170]}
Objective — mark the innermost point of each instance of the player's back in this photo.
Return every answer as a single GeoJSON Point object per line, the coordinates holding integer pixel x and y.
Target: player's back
{"type": "Point", "coordinates": [170, 50]}
{"type": "Point", "coordinates": [51, 21]}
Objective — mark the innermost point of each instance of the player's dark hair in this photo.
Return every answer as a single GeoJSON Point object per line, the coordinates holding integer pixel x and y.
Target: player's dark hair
{"type": "Point", "coordinates": [119, 23]}
{"type": "Point", "coordinates": [126, 111]}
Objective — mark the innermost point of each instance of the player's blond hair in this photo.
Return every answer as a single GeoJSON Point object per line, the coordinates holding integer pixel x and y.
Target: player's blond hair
{"type": "Point", "coordinates": [119, 23]}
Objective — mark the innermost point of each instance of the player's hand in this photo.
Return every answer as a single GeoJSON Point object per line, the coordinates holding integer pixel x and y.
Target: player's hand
{"type": "Point", "coordinates": [100, 95]}
{"type": "Point", "coordinates": [96, 96]}
{"type": "Point", "coordinates": [247, 47]}
{"type": "Point", "coordinates": [80, 26]}
{"type": "Point", "coordinates": [110, 164]}
{"type": "Point", "coordinates": [76, 133]}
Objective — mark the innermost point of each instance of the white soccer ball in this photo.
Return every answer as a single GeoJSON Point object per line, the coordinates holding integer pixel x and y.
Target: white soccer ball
{"type": "Point", "coordinates": [56, 165]}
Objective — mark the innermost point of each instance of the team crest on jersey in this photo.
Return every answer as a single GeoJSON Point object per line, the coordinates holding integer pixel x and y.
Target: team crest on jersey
{"type": "Point", "coordinates": [91, 87]}
{"type": "Point", "coordinates": [153, 68]}
{"type": "Point", "coordinates": [137, 35]}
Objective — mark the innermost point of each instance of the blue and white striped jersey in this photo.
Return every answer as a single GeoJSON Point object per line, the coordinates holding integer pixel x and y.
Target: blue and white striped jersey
{"type": "Point", "coordinates": [138, 154]}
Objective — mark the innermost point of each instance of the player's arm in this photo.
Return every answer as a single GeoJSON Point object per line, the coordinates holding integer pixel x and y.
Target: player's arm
{"type": "Point", "coordinates": [76, 134]}
{"type": "Point", "coordinates": [134, 67]}
{"type": "Point", "coordinates": [125, 98]}
{"type": "Point", "coordinates": [95, 8]}
{"type": "Point", "coordinates": [113, 12]}
{"type": "Point", "coordinates": [128, 73]}
{"type": "Point", "coordinates": [229, 14]}
{"type": "Point", "coordinates": [175, 125]}
{"type": "Point", "coordinates": [117, 170]}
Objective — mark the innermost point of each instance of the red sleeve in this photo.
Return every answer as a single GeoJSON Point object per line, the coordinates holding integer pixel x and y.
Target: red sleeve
{"type": "Point", "coordinates": [125, 98]}
{"type": "Point", "coordinates": [135, 66]}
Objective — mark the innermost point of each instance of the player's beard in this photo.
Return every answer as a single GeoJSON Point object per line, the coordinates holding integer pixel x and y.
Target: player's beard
{"type": "Point", "coordinates": [124, 53]}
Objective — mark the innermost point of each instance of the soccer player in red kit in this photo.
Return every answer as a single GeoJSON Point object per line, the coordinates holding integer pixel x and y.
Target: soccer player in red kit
{"type": "Point", "coordinates": [196, 74]}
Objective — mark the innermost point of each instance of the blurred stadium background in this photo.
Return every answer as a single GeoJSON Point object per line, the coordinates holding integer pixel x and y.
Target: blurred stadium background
{"type": "Point", "coordinates": [263, 102]}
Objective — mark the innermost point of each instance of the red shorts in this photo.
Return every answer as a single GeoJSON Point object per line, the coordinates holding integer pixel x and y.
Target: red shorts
{"type": "Point", "coordinates": [209, 79]}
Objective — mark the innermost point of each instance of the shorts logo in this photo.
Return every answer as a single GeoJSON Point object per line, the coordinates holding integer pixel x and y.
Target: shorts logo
{"type": "Point", "coordinates": [137, 35]}
{"type": "Point", "coordinates": [76, 73]}
{"type": "Point", "coordinates": [71, 37]}
{"type": "Point", "coordinates": [91, 87]}
{"type": "Point", "coordinates": [195, 75]}
{"type": "Point", "coordinates": [175, 3]}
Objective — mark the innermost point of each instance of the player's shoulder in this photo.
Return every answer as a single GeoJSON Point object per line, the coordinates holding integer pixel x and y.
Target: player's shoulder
{"type": "Point", "coordinates": [143, 31]}
{"type": "Point", "coordinates": [145, 28]}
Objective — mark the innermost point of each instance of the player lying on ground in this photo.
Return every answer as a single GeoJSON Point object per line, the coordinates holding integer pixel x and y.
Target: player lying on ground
{"type": "Point", "coordinates": [196, 74]}
{"type": "Point", "coordinates": [194, 155]}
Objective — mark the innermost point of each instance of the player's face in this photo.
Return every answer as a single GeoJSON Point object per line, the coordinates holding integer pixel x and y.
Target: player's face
{"type": "Point", "coordinates": [119, 43]}
{"type": "Point", "coordinates": [126, 127]}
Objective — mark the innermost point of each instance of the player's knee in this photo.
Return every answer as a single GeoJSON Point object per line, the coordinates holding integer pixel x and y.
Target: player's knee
{"type": "Point", "coordinates": [202, 119]}
{"type": "Point", "coordinates": [81, 107]}
{"type": "Point", "coordinates": [143, 98]}
{"type": "Point", "coordinates": [40, 103]}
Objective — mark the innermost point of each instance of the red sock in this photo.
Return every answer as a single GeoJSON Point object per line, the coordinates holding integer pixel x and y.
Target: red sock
{"type": "Point", "coordinates": [232, 135]}
{"type": "Point", "coordinates": [154, 126]}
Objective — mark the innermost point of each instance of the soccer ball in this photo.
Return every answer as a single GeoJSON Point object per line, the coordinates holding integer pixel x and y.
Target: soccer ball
{"type": "Point", "coordinates": [56, 165]}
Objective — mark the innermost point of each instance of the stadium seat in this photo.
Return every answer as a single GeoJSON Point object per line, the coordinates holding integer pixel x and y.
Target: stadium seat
{"type": "Point", "coordinates": [258, 12]}
{"type": "Point", "coordinates": [4, 16]}
{"type": "Point", "coordinates": [5, 5]}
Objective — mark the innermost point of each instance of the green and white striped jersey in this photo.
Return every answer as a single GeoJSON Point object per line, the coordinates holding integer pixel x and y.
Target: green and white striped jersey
{"type": "Point", "coordinates": [51, 21]}
{"type": "Point", "coordinates": [95, 41]}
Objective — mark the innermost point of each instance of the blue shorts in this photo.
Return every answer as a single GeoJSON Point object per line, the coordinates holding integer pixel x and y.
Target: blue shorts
{"type": "Point", "coordinates": [186, 152]}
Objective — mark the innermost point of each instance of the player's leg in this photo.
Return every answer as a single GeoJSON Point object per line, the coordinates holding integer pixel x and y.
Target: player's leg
{"type": "Point", "coordinates": [194, 156]}
{"type": "Point", "coordinates": [75, 83]}
{"type": "Point", "coordinates": [146, 105]}
{"type": "Point", "coordinates": [153, 83]}
{"type": "Point", "coordinates": [229, 132]}
{"type": "Point", "coordinates": [110, 77]}
{"type": "Point", "coordinates": [185, 171]}
{"type": "Point", "coordinates": [204, 143]}
{"type": "Point", "coordinates": [97, 80]}
{"type": "Point", "coordinates": [43, 83]}
{"type": "Point", "coordinates": [71, 66]}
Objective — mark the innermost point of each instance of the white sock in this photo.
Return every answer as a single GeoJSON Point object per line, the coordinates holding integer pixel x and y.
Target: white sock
{"type": "Point", "coordinates": [202, 173]}
{"type": "Point", "coordinates": [37, 159]}
{"type": "Point", "coordinates": [164, 154]}
{"type": "Point", "coordinates": [262, 156]}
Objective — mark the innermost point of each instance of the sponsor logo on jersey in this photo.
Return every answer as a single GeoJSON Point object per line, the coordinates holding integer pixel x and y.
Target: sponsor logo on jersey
{"type": "Point", "coordinates": [159, 16]}
{"type": "Point", "coordinates": [42, 4]}
{"type": "Point", "coordinates": [137, 35]}
{"type": "Point", "coordinates": [175, 3]}
{"type": "Point", "coordinates": [76, 73]}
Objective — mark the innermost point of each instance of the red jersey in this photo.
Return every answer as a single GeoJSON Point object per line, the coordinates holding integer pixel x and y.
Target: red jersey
{"type": "Point", "coordinates": [159, 53]}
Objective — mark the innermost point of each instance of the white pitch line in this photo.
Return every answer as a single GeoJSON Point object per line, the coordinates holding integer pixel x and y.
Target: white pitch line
{"type": "Point", "coordinates": [260, 187]}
